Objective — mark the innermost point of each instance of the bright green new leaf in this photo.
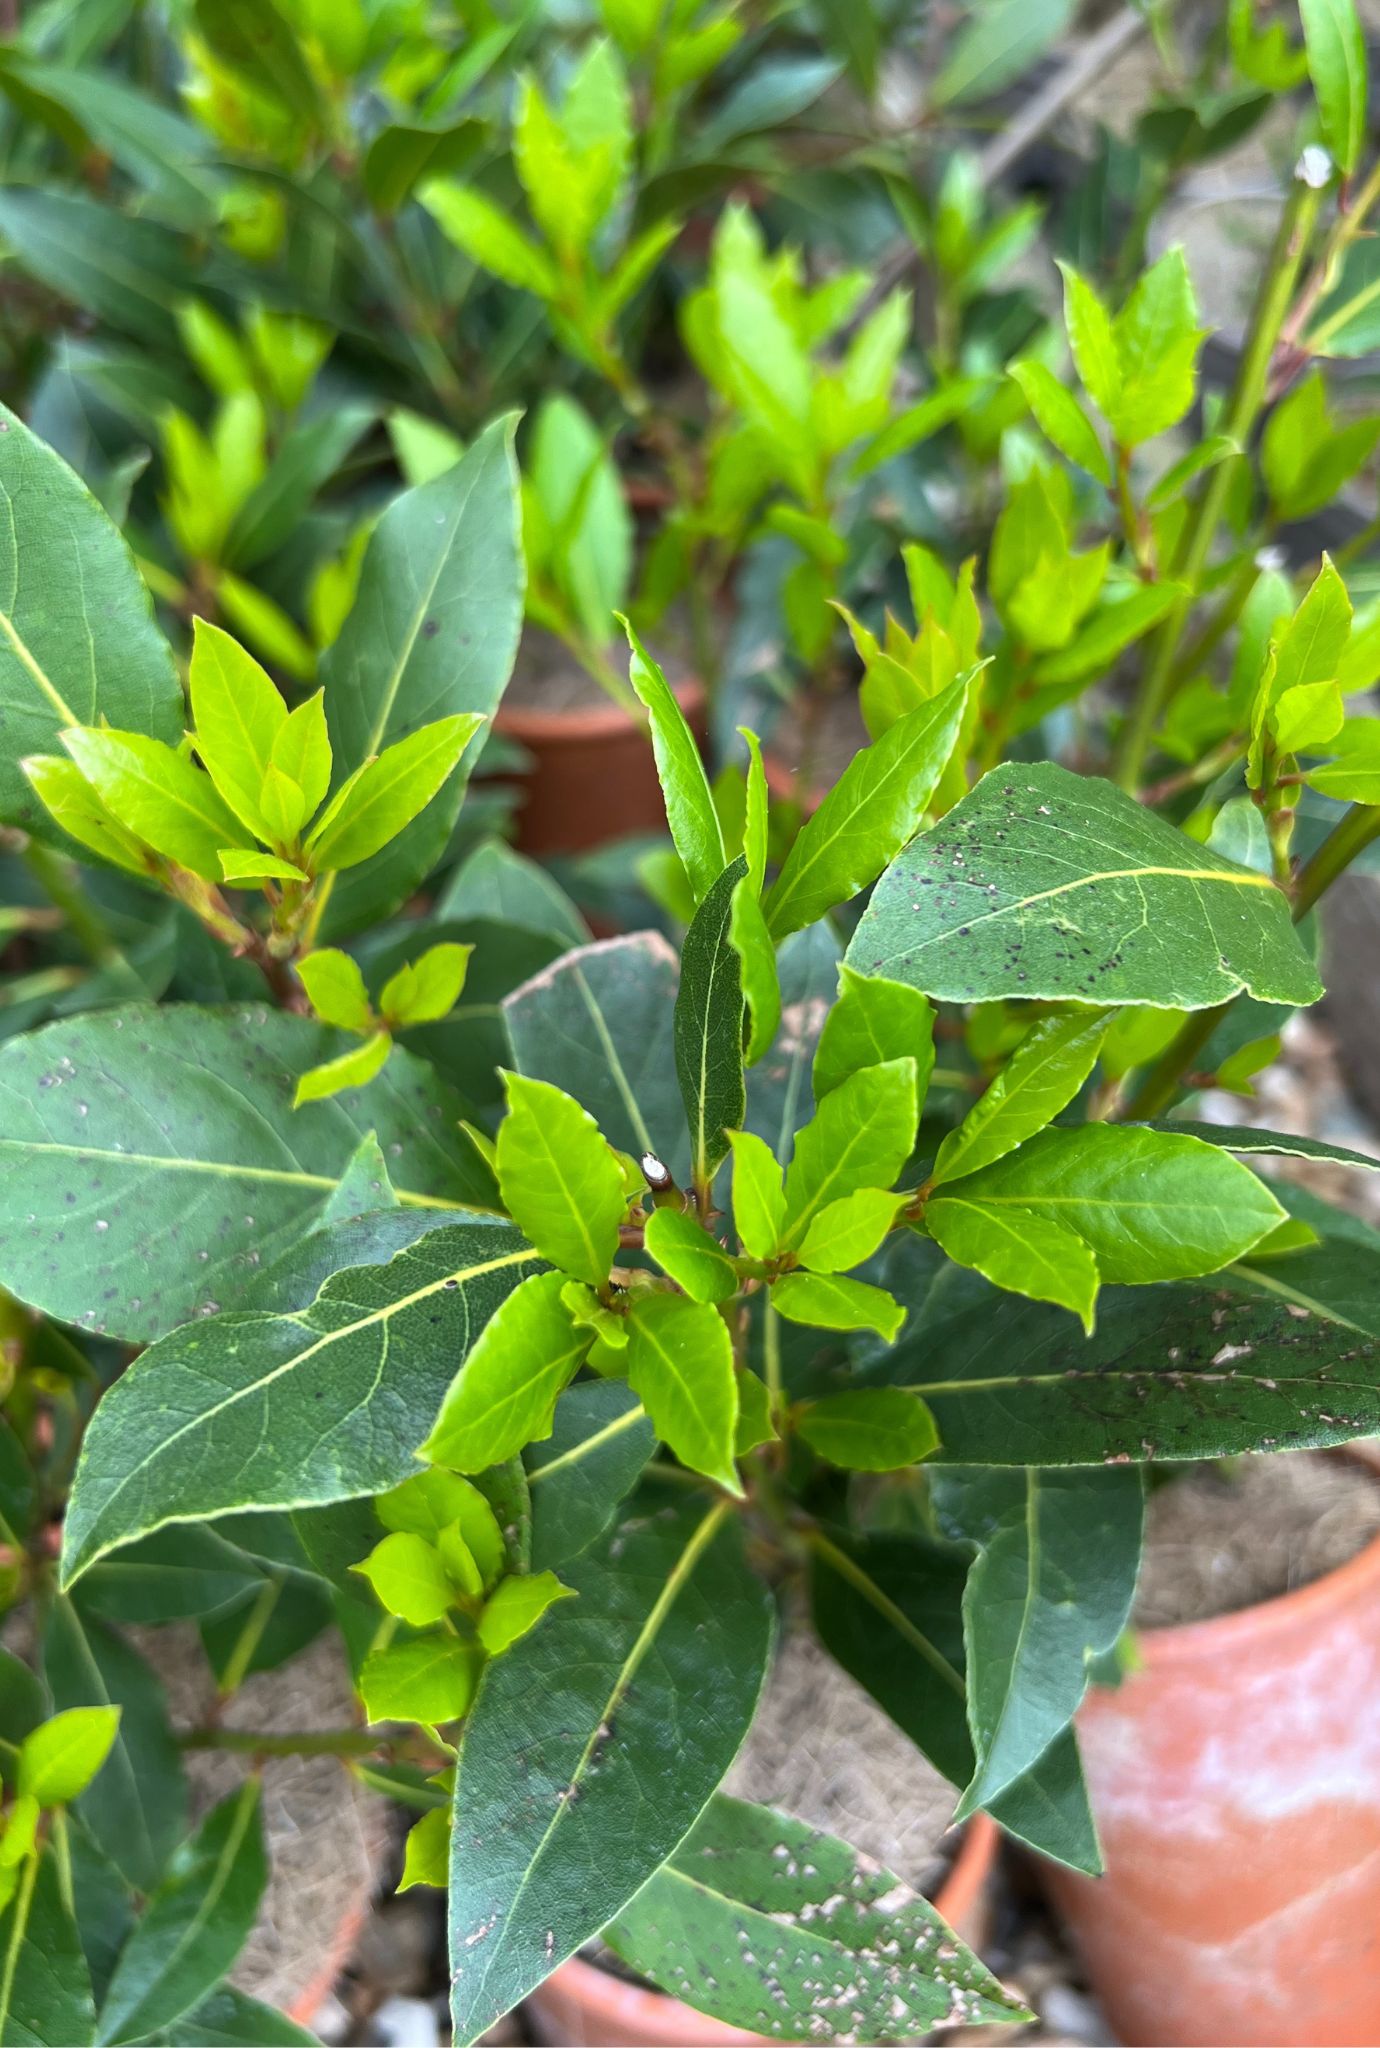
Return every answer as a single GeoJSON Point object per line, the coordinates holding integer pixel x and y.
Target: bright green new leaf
{"type": "Point", "coordinates": [1048, 885]}
{"type": "Point", "coordinates": [61, 1757]}
{"type": "Point", "coordinates": [1092, 341]}
{"type": "Point", "coordinates": [238, 714]}
{"type": "Point", "coordinates": [426, 1852]}
{"type": "Point", "coordinates": [755, 1424]}
{"type": "Point", "coordinates": [488, 236]}
{"type": "Point", "coordinates": [823, 1301]}
{"type": "Point", "coordinates": [302, 750]}
{"type": "Point", "coordinates": [1336, 48]}
{"type": "Point", "coordinates": [432, 1680]}
{"type": "Point", "coordinates": [517, 1605]}
{"type": "Point", "coordinates": [1353, 771]}
{"type": "Point", "coordinates": [388, 792]}
{"type": "Point", "coordinates": [1019, 1249]}
{"type": "Point", "coordinates": [709, 1029]}
{"type": "Point", "coordinates": [158, 795]}
{"type": "Point", "coordinates": [459, 1563]}
{"type": "Point", "coordinates": [335, 989]}
{"type": "Point", "coordinates": [1157, 343]}
{"type": "Point", "coordinates": [869, 1429]}
{"type": "Point", "coordinates": [425, 990]}
{"type": "Point", "coordinates": [690, 813]}
{"type": "Point", "coordinates": [846, 1232]}
{"type": "Point", "coordinates": [436, 1501]}
{"type": "Point", "coordinates": [752, 942]}
{"type": "Point", "coordinates": [860, 1136]}
{"type": "Point", "coordinates": [1061, 418]}
{"type": "Point", "coordinates": [560, 1182]}
{"type": "Point", "coordinates": [504, 1395]}
{"type": "Point", "coordinates": [874, 1020]}
{"type": "Point", "coordinates": [759, 1197]}
{"type": "Point", "coordinates": [697, 1262]}
{"type": "Point", "coordinates": [1043, 1075]}
{"type": "Point", "coordinates": [353, 1069]}
{"type": "Point", "coordinates": [680, 1366]}
{"type": "Point", "coordinates": [68, 797]}
{"type": "Point", "coordinates": [284, 807]}
{"type": "Point", "coordinates": [406, 1573]}
{"type": "Point", "coordinates": [873, 809]}
{"type": "Point", "coordinates": [239, 867]}
{"type": "Point", "coordinates": [1150, 1205]}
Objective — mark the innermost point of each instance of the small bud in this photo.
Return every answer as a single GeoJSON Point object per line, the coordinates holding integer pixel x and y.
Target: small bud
{"type": "Point", "coordinates": [1314, 168]}
{"type": "Point", "coordinates": [657, 1176]}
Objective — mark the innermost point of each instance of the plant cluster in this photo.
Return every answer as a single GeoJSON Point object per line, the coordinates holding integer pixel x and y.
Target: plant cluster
{"type": "Point", "coordinates": [555, 1319]}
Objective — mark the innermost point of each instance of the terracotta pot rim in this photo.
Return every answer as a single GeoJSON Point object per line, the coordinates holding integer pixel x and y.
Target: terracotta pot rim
{"type": "Point", "coordinates": [956, 1897]}
{"type": "Point", "coordinates": [606, 721]}
{"type": "Point", "coordinates": [1188, 1642]}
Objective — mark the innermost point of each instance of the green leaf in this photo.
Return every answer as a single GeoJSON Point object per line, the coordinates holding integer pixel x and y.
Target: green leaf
{"type": "Point", "coordinates": [1157, 343]}
{"type": "Point", "coordinates": [302, 750]}
{"type": "Point", "coordinates": [1119, 617]}
{"type": "Point", "coordinates": [128, 271]}
{"type": "Point", "coordinates": [1016, 1248]}
{"type": "Point", "coordinates": [1353, 772]}
{"type": "Point", "coordinates": [869, 1429]}
{"type": "Point", "coordinates": [405, 152]}
{"type": "Point", "coordinates": [873, 809]}
{"type": "Point", "coordinates": [1336, 47]}
{"type": "Point", "coordinates": [620, 1747]}
{"type": "Point", "coordinates": [231, 2019]}
{"type": "Point", "coordinates": [1061, 418]}
{"type": "Point", "coordinates": [238, 715]}
{"type": "Point", "coordinates": [136, 1807]}
{"type": "Point", "coordinates": [59, 1760]}
{"type": "Point", "coordinates": [517, 1606]}
{"type": "Point", "coordinates": [426, 1853]}
{"type": "Point", "coordinates": [289, 1410]}
{"type": "Point", "coordinates": [1092, 341]}
{"type": "Point", "coordinates": [1043, 1075]}
{"type": "Point", "coordinates": [680, 1366]}
{"type": "Point", "coordinates": [860, 1136]}
{"type": "Point", "coordinates": [425, 990]}
{"type": "Point", "coordinates": [1150, 1205]}
{"type": "Point", "coordinates": [889, 1609]}
{"type": "Point", "coordinates": [1278, 1144]}
{"type": "Point", "coordinates": [182, 1574]}
{"type": "Point", "coordinates": [158, 795]}
{"type": "Point", "coordinates": [759, 1196]}
{"type": "Point", "coordinates": [753, 1906]}
{"type": "Point", "coordinates": [239, 867]}
{"type": "Point", "coordinates": [824, 1302]}
{"type": "Point", "coordinates": [432, 635]}
{"type": "Point", "coordinates": [599, 1444]}
{"type": "Point", "coordinates": [846, 1232]}
{"type": "Point", "coordinates": [752, 942]}
{"type": "Point", "coordinates": [45, 1991]}
{"type": "Point", "coordinates": [489, 236]}
{"type": "Point", "coordinates": [499, 886]}
{"type": "Point", "coordinates": [690, 812]}
{"type": "Point", "coordinates": [409, 1578]}
{"type": "Point", "coordinates": [874, 1020]}
{"type": "Point", "coordinates": [709, 1029]}
{"type": "Point", "coordinates": [384, 796]}
{"type": "Point", "coordinates": [335, 989]}
{"type": "Point", "coordinates": [68, 797]}
{"type": "Point", "coordinates": [599, 1023]}
{"type": "Point", "coordinates": [997, 41]}
{"type": "Point", "coordinates": [697, 1262]}
{"type": "Point", "coordinates": [1051, 1589]}
{"type": "Point", "coordinates": [504, 1396]}
{"type": "Point", "coordinates": [352, 1069]}
{"type": "Point", "coordinates": [78, 642]}
{"type": "Point", "coordinates": [561, 1184]}
{"type": "Point", "coordinates": [1147, 915]}
{"type": "Point", "coordinates": [193, 1926]}
{"type": "Point", "coordinates": [432, 1680]}
{"type": "Point", "coordinates": [1183, 1371]}
{"type": "Point", "coordinates": [254, 41]}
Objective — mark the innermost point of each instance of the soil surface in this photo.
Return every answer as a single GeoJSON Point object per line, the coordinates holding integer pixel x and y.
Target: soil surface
{"type": "Point", "coordinates": [1225, 1537]}
{"type": "Point", "coordinates": [548, 678]}
{"type": "Point", "coordinates": [821, 1749]}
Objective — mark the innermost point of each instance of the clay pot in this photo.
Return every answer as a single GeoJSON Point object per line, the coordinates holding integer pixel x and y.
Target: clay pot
{"type": "Point", "coordinates": [1236, 1785]}
{"type": "Point", "coordinates": [591, 777]}
{"type": "Point", "coordinates": [581, 2004]}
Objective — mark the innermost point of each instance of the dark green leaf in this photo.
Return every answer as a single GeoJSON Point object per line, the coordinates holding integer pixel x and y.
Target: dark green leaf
{"type": "Point", "coordinates": [193, 1926]}
{"type": "Point", "coordinates": [231, 2019]}
{"type": "Point", "coordinates": [593, 1457]}
{"type": "Point", "coordinates": [1044, 884]}
{"type": "Point", "coordinates": [593, 1746]}
{"type": "Point", "coordinates": [78, 642]}
{"type": "Point", "coordinates": [291, 1410]}
{"type": "Point", "coordinates": [432, 634]}
{"type": "Point", "coordinates": [755, 1911]}
{"type": "Point", "coordinates": [126, 1209]}
{"type": "Point", "coordinates": [125, 270]}
{"type": "Point", "coordinates": [45, 1989]}
{"type": "Point", "coordinates": [709, 1029]}
{"type": "Point", "coordinates": [869, 1429]}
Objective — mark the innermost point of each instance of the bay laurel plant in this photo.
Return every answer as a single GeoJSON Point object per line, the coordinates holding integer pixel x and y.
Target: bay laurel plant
{"type": "Point", "coordinates": [560, 1321]}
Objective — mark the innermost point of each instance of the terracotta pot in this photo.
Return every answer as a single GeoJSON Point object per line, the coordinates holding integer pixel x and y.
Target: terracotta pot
{"type": "Point", "coordinates": [592, 777]}
{"type": "Point", "coordinates": [581, 2004]}
{"type": "Point", "coordinates": [1236, 1784]}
